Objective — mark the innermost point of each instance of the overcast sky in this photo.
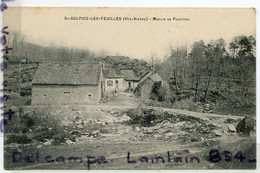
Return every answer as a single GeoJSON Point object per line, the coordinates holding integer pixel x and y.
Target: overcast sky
{"type": "Point", "coordinates": [137, 39]}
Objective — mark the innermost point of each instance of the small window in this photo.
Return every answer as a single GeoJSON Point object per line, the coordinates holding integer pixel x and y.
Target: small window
{"type": "Point", "coordinates": [90, 94]}
{"type": "Point", "coordinates": [110, 83]}
{"type": "Point", "coordinates": [66, 93]}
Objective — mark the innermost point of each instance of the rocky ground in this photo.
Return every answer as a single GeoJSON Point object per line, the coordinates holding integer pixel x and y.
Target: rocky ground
{"type": "Point", "coordinates": [176, 130]}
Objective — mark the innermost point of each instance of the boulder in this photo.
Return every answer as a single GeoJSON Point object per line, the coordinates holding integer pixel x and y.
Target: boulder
{"type": "Point", "coordinates": [48, 142]}
{"type": "Point", "coordinates": [203, 130]}
{"type": "Point", "coordinates": [179, 124]}
{"type": "Point", "coordinates": [125, 118]}
{"type": "Point", "coordinates": [34, 144]}
{"type": "Point", "coordinates": [207, 105]}
{"type": "Point", "coordinates": [79, 126]}
{"type": "Point", "coordinates": [69, 142]}
{"type": "Point", "coordinates": [169, 134]}
{"type": "Point", "coordinates": [231, 128]}
{"type": "Point", "coordinates": [76, 132]}
{"type": "Point", "coordinates": [246, 125]}
{"type": "Point", "coordinates": [217, 133]}
{"type": "Point", "coordinates": [212, 126]}
{"type": "Point", "coordinates": [206, 109]}
{"type": "Point", "coordinates": [96, 133]}
{"type": "Point", "coordinates": [137, 129]}
{"type": "Point", "coordinates": [76, 140]}
{"type": "Point", "coordinates": [195, 139]}
{"type": "Point", "coordinates": [104, 131]}
{"type": "Point", "coordinates": [39, 146]}
{"type": "Point", "coordinates": [229, 120]}
{"type": "Point", "coordinates": [166, 123]}
{"type": "Point", "coordinates": [148, 130]}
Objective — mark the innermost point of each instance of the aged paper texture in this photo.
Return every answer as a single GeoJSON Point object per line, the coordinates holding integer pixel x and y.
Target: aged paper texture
{"type": "Point", "coordinates": [129, 88]}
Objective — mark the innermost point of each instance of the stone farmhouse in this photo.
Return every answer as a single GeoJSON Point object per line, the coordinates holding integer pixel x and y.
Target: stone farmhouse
{"type": "Point", "coordinates": [67, 83]}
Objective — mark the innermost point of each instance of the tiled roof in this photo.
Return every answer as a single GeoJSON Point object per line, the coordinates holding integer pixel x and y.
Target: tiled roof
{"type": "Point", "coordinates": [67, 74]}
{"type": "Point", "coordinates": [155, 77]}
{"type": "Point", "coordinates": [129, 75]}
{"type": "Point", "coordinates": [109, 72]}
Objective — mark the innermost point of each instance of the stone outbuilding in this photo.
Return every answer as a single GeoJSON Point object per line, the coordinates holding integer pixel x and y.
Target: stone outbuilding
{"type": "Point", "coordinates": [67, 83]}
{"type": "Point", "coordinates": [130, 79]}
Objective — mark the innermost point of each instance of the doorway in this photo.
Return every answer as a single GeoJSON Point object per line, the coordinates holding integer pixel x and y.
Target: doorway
{"type": "Point", "coordinates": [116, 84]}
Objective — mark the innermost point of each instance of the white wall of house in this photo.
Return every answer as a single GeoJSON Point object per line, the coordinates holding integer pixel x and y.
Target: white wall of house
{"type": "Point", "coordinates": [114, 83]}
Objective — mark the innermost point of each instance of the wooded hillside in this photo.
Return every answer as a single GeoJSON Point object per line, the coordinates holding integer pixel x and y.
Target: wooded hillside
{"type": "Point", "coordinates": [216, 71]}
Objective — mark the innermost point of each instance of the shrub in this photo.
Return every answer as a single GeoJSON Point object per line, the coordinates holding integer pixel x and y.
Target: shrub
{"type": "Point", "coordinates": [136, 113]}
{"type": "Point", "coordinates": [20, 139]}
{"type": "Point", "coordinates": [13, 95]}
{"type": "Point", "coordinates": [158, 92]}
{"type": "Point", "coordinates": [30, 122]}
{"type": "Point", "coordinates": [48, 125]}
{"type": "Point", "coordinates": [161, 94]}
{"type": "Point", "coordinates": [60, 138]}
{"type": "Point", "coordinates": [144, 116]}
{"type": "Point", "coordinates": [43, 119]}
{"type": "Point", "coordinates": [25, 93]}
{"type": "Point", "coordinates": [49, 133]}
{"type": "Point", "coordinates": [104, 131]}
{"type": "Point", "coordinates": [28, 102]}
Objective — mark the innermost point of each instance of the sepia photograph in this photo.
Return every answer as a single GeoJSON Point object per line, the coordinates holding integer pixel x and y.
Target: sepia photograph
{"type": "Point", "coordinates": [88, 88]}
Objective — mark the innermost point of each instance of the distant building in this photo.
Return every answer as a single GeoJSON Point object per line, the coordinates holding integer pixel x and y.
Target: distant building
{"type": "Point", "coordinates": [67, 83]}
{"type": "Point", "coordinates": [130, 79]}
{"type": "Point", "coordinates": [113, 80]}
{"type": "Point", "coordinates": [146, 84]}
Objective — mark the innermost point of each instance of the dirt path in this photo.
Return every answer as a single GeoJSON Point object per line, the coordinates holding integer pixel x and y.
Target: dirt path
{"type": "Point", "coordinates": [214, 118]}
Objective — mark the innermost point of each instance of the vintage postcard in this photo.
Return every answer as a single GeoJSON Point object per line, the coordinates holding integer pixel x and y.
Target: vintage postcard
{"type": "Point", "coordinates": [129, 88]}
